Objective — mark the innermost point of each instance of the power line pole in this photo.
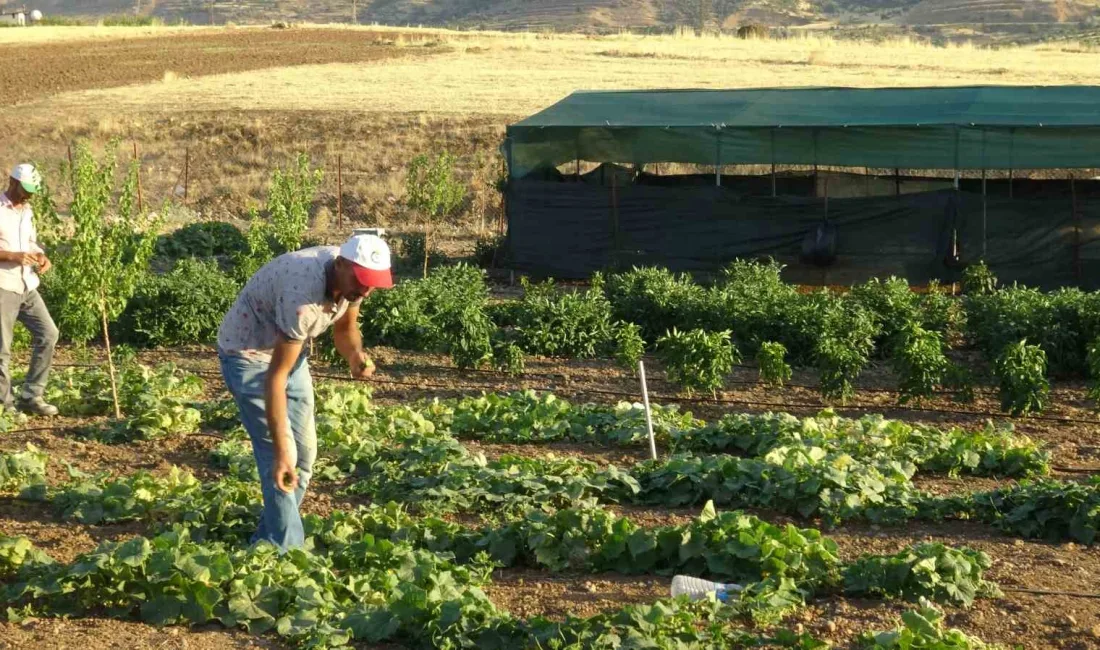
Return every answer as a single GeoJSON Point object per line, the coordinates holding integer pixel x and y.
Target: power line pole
{"type": "Point", "coordinates": [354, 12]}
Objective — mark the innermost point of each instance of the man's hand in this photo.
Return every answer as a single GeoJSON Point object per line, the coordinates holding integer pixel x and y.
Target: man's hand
{"type": "Point", "coordinates": [44, 263]}
{"type": "Point", "coordinates": [284, 473]}
{"type": "Point", "coordinates": [361, 366]}
{"type": "Point", "coordinates": [22, 259]}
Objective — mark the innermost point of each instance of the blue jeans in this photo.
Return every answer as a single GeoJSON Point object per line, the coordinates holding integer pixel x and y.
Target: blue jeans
{"type": "Point", "coordinates": [281, 523]}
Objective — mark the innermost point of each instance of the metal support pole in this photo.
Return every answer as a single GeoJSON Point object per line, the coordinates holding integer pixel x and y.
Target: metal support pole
{"type": "Point", "coordinates": [984, 215]}
{"type": "Point", "coordinates": [1011, 156]}
{"type": "Point", "coordinates": [648, 411]}
{"type": "Point", "coordinates": [340, 190]}
{"type": "Point", "coordinates": [815, 160]}
{"type": "Point", "coordinates": [897, 182]}
{"type": "Point", "coordinates": [773, 163]}
{"type": "Point", "coordinates": [506, 174]}
{"type": "Point", "coordinates": [718, 160]}
{"type": "Point", "coordinates": [1076, 231]}
{"type": "Point", "coordinates": [615, 213]}
{"type": "Point", "coordinates": [141, 208]}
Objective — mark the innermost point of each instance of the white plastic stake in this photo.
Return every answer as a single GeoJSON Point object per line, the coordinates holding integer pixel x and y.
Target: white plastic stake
{"type": "Point", "coordinates": [648, 412]}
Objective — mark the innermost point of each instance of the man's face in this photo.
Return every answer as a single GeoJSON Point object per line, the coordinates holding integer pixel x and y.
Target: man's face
{"type": "Point", "coordinates": [349, 285]}
{"type": "Point", "coordinates": [16, 193]}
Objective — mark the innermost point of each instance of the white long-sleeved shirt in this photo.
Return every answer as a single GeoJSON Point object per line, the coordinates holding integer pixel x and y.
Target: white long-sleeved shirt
{"type": "Point", "coordinates": [17, 234]}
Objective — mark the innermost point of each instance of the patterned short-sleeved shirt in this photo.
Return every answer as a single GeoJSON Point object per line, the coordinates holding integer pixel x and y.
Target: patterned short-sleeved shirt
{"type": "Point", "coordinates": [286, 296]}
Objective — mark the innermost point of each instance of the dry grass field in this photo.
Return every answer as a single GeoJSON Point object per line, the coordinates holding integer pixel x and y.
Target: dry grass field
{"type": "Point", "coordinates": [234, 102]}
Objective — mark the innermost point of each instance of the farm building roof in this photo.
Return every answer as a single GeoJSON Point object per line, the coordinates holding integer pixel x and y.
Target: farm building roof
{"type": "Point", "coordinates": [973, 127]}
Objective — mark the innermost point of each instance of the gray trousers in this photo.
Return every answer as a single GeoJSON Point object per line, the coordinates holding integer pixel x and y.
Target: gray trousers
{"type": "Point", "coordinates": [29, 309]}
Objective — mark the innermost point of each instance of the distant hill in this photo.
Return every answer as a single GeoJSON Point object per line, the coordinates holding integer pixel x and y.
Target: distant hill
{"type": "Point", "coordinates": [601, 16]}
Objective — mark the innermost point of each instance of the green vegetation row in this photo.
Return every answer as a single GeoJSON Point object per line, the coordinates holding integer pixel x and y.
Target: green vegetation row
{"type": "Point", "coordinates": [429, 571]}
{"type": "Point", "coordinates": [379, 591]}
{"type": "Point", "coordinates": [730, 546]}
{"type": "Point", "coordinates": [104, 285]}
{"type": "Point", "coordinates": [380, 574]}
{"type": "Point", "coordinates": [162, 401]}
{"type": "Point", "coordinates": [826, 466]}
{"type": "Point", "coordinates": [531, 417]}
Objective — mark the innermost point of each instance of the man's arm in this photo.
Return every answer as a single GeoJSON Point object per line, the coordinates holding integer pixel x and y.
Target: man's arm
{"type": "Point", "coordinates": [17, 257]}
{"type": "Point", "coordinates": [282, 361]}
{"type": "Point", "coordinates": [44, 263]}
{"type": "Point", "coordinates": [349, 343]}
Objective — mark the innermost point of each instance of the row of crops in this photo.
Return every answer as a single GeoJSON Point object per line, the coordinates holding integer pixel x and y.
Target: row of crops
{"type": "Point", "coordinates": [699, 333]}
{"type": "Point", "coordinates": [1015, 338]}
{"type": "Point", "coordinates": [824, 466]}
{"type": "Point", "coordinates": [402, 570]}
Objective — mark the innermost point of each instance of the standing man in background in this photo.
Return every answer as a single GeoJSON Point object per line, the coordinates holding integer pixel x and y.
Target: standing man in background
{"type": "Point", "coordinates": [21, 260]}
{"type": "Point", "coordinates": [263, 345]}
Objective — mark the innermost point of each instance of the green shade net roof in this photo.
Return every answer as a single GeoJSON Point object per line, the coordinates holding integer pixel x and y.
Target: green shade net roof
{"type": "Point", "coordinates": [975, 127]}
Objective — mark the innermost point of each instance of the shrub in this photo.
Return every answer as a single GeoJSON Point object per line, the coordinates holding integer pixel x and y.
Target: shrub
{"type": "Point", "coordinates": [629, 345]}
{"type": "Point", "coordinates": [184, 306]}
{"type": "Point", "coordinates": [655, 299]}
{"type": "Point", "coordinates": [129, 20]}
{"type": "Point", "coordinates": [1062, 323]}
{"type": "Point", "coordinates": [1094, 369]}
{"type": "Point", "coordinates": [508, 357]}
{"type": "Point", "coordinates": [289, 197]}
{"type": "Point", "coordinates": [410, 255]}
{"type": "Point", "coordinates": [893, 306]}
{"type": "Point", "coordinates": [941, 312]}
{"type": "Point", "coordinates": [697, 359]}
{"type": "Point", "coordinates": [202, 239]}
{"type": "Point", "coordinates": [960, 379]}
{"type": "Point", "coordinates": [1021, 373]}
{"type": "Point", "coordinates": [467, 335]}
{"type": "Point", "coordinates": [432, 190]}
{"type": "Point", "coordinates": [770, 361]}
{"type": "Point", "coordinates": [844, 348]}
{"type": "Point", "coordinates": [752, 299]}
{"type": "Point", "coordinates": [489, 251]}
{"type": "Point", "coordinates": [553, 323]}
{"type": "Point", "coordinates": [978, 279]}
{"type": "Point", "coordinates": [920, 363]}
{"type": "Point", "coordinates": [425, 314]}
{"type": "Point", "coordinates": [259, 248]}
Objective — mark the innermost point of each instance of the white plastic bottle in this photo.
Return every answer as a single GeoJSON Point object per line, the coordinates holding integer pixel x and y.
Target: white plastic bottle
{"type": "Point", "coordinates": [697, 588]}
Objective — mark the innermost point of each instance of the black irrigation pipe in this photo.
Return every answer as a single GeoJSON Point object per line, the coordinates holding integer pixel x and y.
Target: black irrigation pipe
{"type": "Point", "coordinates": [702, 400]}
{"type": "Point", "coordinates": [1049, 592]}
{"type": "Point", "coordinates": [59, 427]}
{"type": "Point", "coordinates": [738, 382]}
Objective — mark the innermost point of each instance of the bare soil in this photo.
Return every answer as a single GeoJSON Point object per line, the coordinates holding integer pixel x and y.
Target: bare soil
{"type": "Point", "coordinates": [105, 633]}
{"type": "Point", "coordinates": [1021, 619]}
{"type": "Point", "coordinates": [57, 67]}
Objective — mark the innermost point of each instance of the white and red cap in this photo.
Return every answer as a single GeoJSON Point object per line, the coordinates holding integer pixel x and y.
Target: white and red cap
{"type": "Point", "coordinates": [28, 177]}
{"type": "Point", "coordinates": [370, 257]}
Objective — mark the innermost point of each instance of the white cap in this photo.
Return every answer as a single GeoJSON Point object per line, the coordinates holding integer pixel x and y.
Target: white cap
{"type": "Point", "coordinates": [28, 177]}
{"type": "Point", "coordinates": [371, 257]}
